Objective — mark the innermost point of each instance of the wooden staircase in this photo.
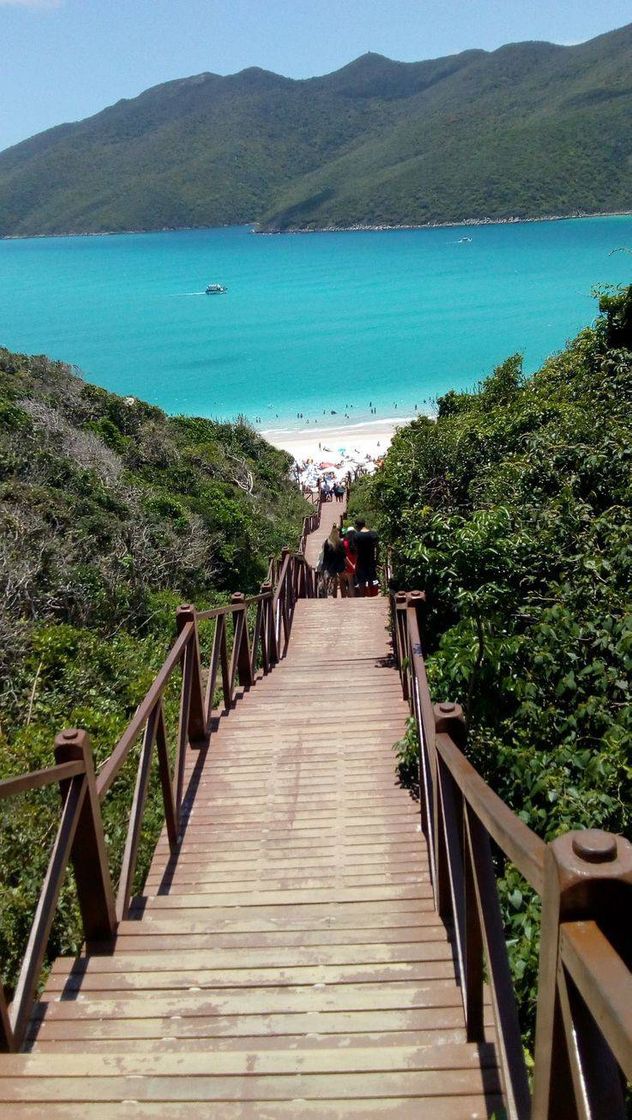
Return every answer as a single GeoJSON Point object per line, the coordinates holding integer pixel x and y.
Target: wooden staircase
{"type": "Point", "coordinates": [288, 961]}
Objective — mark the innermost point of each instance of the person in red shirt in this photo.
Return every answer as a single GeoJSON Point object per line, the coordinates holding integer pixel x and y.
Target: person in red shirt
{"type": "Point", "coordinates": [347, 579]}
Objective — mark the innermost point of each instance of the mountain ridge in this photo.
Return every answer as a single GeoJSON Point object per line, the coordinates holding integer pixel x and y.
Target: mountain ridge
{"type": "Point", "coordinates": [528, 130]}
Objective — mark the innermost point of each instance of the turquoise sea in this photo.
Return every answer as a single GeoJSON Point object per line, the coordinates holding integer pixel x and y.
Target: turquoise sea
{"type": "Point", "coordinates": [310, 323]}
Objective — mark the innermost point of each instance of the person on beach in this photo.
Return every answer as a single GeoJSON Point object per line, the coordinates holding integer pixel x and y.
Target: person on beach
{"type": "Point", "coordinates": [334, 563]}
{"type": "Point", "coordinates": [366, 545]}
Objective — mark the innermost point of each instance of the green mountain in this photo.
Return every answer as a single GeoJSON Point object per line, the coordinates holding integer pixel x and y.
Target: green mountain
{"type": "Point", "coordinates": [527, 130]}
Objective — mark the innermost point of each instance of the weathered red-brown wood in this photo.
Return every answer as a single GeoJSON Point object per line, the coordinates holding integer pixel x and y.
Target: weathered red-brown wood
{"type": "Point", "coordinates": [290, 947]}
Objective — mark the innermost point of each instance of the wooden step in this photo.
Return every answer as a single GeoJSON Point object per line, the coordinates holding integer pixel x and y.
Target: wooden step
{"type": "Point", "coordinates": [439, 1107]}
{"type": "Point", "coordinates": [287, 963]}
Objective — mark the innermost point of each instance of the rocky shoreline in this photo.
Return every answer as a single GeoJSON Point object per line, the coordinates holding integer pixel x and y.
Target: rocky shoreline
{"type": "Point", "coordinates": [355, 228]}
{"type": "Point", "coordinates": [469, 222]}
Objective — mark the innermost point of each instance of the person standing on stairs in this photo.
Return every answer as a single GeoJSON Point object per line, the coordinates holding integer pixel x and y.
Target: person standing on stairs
{"type": "Point", "coordinates": [366, 544]}
{"type": "Point", "coordinates": [347, 579]}
{"type": "Point", "coordinates": [334, 562]}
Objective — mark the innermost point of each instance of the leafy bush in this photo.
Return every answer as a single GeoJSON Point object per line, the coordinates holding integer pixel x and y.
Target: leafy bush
{"type": "Point", "coordinates": [513, 512]}
{"type": "Point", "coordinates": [111, 514]}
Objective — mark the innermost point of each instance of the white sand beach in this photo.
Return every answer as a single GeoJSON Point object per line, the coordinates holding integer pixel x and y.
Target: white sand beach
{"type": "Point", "coordinates": [344, 442]}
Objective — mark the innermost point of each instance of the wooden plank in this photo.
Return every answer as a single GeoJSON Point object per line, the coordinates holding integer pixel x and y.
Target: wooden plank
{"type": "Point", "coordinates": [352, 848]}
{"type": "Point", "coordinates": [319, 916]}
{"type": "Point", "coordinates": [304, 1086]}
{"type": "Point", "coordinates": [148, 941]}
{"type": "Point", "coordinates": [273, 831]}
{"type": "Point", "coordinates": [305, 812]}
{"type": "Point", "coordinates": [343, 997]}
{"type": "Point", "coordinates": [146, 981]}
{"type": "Point", "coordinates": [308, 1040]}
{"type": "Point", "coordinates": [250, 867]}
{"type": "Point", "coordinates": [297, 897]}
{"type": "Point", "coordinates": [276, 956]}
{"type": "Point", "coordinates": [471, 1106]}
{"type": "Point", "coordinates": [258, 1062]}
{"type": "Point", "coordinates": [288, 962]}
{"type": "Point", "coordinates": [205, 885]}
{"type": "Point", "coordinates": [340, 1025]}
{"type": "Point", "coordinates": [285, 857]}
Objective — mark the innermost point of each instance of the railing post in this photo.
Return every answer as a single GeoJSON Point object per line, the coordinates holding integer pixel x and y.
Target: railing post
{"type": "Point", "coordinates": [266, 589]}
{"type": "Point", "coordinates": [414, 600]}
{"type": "Point", "coordinates": [584, 876]}
{"type": "Point", "coordinates": [399, 634]}
{"type": "Point", "coordinates": [241, 648]}
{"type": "Point", "coordinates": [449, 720]}
{"type": "Point", "coordinates": [417, 599]}
{"type": "Point", "coordinates": [192, 671]}
{"type": "Point", "coordinates": [284, 601]}
{"type": "Point", "coordinates": [8, 1042]}
{"type": "Point", "coordinates": [273, 644]}
{"type": "Point", "coordinates": [88, 854]}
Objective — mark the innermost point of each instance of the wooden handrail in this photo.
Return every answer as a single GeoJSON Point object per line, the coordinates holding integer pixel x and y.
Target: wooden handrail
{"type": "Point", "coordinates": [113, 764]}
{"type": "Point", "coordinates": [38, 778]}
{"type": "Point", "coordinates": [587, 877]}
{"type": "Point", "coordinates": [584, 1026]}
{"type": "Point", "coordinates": [230, 608]}
{"type": "Point", "coordinates": [518, 842]}
{"type": "Point", "coordinates": [80, 836]}
{"type": "Point", "coordinates": [604, 982]}
{"type": "Point", "coordinates": [280, 586]}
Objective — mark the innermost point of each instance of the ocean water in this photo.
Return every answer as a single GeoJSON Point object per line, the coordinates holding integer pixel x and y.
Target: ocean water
{"type": "Point", "coordinates": [317, 324]}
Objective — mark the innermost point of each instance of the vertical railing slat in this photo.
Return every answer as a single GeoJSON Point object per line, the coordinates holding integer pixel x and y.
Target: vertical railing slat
{"type": "Point", "coordinates": [211, 681]}
{"type": "Point", "coordinates": [196, 722]}
{"type": "Point", "coordinates": [26, 986]}
{"type": "Point", "coordinates": [227, 688]}
{"type": "Point", "coordinates": [132, 839]}
{"type": "Point", "coordinates": [7, 1038]}
{"type": "Point", "coordinates": [473, 953]}
{"type": "Point", "coordinates": [171, 790]}
{"type": "Point", "coordinates": [508, 1039]}
{"type": "Point", "coordinates": [183, 726]}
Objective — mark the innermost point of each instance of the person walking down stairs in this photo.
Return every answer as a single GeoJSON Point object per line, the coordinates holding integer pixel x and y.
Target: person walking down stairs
{"type": "Point", "coordinates": [334, 563]}
{"type": "Point", "coordinates": [367, 548]}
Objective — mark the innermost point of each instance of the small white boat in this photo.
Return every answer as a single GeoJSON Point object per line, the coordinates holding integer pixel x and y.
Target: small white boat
{"type": "Point", "coordinates": [215, 289]}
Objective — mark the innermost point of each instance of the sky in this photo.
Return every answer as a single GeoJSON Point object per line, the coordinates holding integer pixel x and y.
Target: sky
{"type": "Point", "coordinates": [63, 60]}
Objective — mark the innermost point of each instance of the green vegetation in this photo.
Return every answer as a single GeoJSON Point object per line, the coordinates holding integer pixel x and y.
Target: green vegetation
{"type": "Point", "coordinates": [514, 512]}
{"type": "Point", "coordinates": [111, 514]}
{"type": "Point", "coordinates": [528, 130]}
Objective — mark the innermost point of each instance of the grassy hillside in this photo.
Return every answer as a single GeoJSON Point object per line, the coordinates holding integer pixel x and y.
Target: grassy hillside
{"type": "Point", "coordinates": [111, 514]}
{"type": "Point", "coordinates": [527, 130]}
{"type": "Point", "coordinates": [514, 512]}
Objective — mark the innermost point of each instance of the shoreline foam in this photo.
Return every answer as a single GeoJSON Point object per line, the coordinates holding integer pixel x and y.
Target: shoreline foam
{"type": "Point", "coordinates": [388, 423]}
